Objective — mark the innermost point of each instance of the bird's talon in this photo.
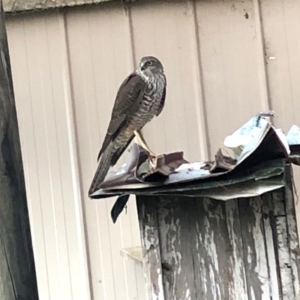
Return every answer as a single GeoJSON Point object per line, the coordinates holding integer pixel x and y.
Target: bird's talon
{"type": "Point", "coordinates": [152, 158]}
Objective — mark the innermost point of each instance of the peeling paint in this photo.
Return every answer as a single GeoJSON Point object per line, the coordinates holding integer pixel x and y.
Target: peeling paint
{"type": "Point", "coordinates": [235, 250]}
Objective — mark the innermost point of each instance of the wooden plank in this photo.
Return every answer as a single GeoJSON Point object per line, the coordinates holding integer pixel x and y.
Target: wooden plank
{"type": "Point", "coordinates": [293, 237]}
{"type": "Point", "coordinates": [237, 290]}
{"type": "Point", "coordinates": [177, 244]}
{"type": "Point", "coordinates": [255, 258]}
{"type": "Point", "coordinates": [282, 247]}
{"type": "Point", "coordinates": [147, 212]}
{"type": "Point", "coordinates": [268, 224]}
{"type": "Point", "coordinates": [212, 250]}
{"type": "Point", "coordinates": [17, 270]}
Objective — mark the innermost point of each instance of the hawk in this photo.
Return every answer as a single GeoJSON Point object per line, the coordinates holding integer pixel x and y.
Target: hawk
{"type": "Point", "coordinates": [140, 97]}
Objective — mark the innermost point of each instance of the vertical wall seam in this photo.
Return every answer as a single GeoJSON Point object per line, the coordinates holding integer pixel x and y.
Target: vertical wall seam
{"type": "Point", "coordinates": [200, 105]}
{"type": "Point", "coordinates": [57, 150]}
{"type": "Point", "coordinates": [74, 157]}
{"type": "Point", "coordinates": [262, 70]}
{"type": "Point", "coordinates": [128, 10]}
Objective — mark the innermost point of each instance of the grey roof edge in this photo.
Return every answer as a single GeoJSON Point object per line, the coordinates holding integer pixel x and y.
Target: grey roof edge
{"type": "Point", "coordinates": [272, 170]}
{"type": "Point", "coordinates": [19, 6]}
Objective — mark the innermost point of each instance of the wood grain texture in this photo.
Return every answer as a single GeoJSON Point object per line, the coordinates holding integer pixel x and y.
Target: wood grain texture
{"type": "Point", "coordinates": [254, 248]}
{"type": "Point", "coordinates": [270, 242]}
{"type": "Point", "coordinates": [293, 236]}
{"type": "Point", "coordinates": [243, 249]}
{"type": "Point", "coordinates": [147, 211]}
{"type": "Point", "coordinates": [236, 262]}
{"type": "Point", "coordinates": [177, 258]}
{"type": "Point", "coordinates": [17, 271]}
{"type": "Point", "coordinates": [213, 251]}
{"type": "Point", "coordinates": [283, 253]}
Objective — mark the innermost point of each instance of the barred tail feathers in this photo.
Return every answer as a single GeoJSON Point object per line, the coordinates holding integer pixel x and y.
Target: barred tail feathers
{"type": "Point", "coordinates": [102, 169]}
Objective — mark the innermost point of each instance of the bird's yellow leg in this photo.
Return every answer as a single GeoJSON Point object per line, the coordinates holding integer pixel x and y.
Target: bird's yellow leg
{"type": "Point", "coordinates": [141, 141]}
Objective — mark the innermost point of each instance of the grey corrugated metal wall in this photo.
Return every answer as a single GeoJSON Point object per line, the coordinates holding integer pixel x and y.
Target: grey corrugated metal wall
{"type": "Point", "coordinates": [224, 60]}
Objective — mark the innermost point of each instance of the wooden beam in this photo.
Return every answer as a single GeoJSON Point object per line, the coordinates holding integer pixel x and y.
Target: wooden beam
{"type": "Point", "coordinates": [17, 270]}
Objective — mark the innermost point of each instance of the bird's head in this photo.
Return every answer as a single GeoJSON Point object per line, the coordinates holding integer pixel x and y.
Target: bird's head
{"type": "Point", "coordinates": [150, 65]}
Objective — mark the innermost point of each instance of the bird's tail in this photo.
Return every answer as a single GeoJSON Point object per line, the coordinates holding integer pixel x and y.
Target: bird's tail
{"type": "Point", "coordinates": [102, 169]}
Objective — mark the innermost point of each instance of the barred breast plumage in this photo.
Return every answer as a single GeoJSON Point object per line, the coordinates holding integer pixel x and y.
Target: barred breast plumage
{"type": "Point", "coordinates": [151, 100]}
{"type": "Point", "coordinates": [149, 107]}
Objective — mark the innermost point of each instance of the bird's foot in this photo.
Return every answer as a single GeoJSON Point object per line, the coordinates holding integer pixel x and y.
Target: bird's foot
{"type": "Point", "coordinates": [141, 141]}
{"type": "Point", "coordinates": [152, 157]}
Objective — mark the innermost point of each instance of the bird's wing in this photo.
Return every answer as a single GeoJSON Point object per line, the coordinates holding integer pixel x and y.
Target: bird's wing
{"type": "Point", "coordinates": [127, 101]}
{"type": "Point", "coordinates": [162, 101]}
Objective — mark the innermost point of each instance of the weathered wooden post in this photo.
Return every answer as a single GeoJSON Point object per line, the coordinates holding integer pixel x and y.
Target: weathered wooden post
{"type": "Point", "coordinates": [17, 270]}
{"type": "Point", "coordinates": [203, 249]}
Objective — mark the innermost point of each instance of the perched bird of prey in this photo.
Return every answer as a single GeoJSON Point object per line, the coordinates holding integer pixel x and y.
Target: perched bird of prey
{"type": "Point", "coordinates": [140, 97]}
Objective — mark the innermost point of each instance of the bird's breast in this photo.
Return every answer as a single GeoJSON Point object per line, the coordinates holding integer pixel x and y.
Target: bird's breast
{"type": "Point", "coordinates": [149, 105]}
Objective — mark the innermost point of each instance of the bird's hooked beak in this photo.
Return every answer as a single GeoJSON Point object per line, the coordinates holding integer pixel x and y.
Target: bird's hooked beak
{"type": "Point", "coordinates": [143, 67]}
{"type": "Point", "coordinates": [146, 69]}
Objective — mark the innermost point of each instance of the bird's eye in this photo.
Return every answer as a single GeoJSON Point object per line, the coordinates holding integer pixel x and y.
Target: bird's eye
{"type": "Point", "coordinates": [150, 63]}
